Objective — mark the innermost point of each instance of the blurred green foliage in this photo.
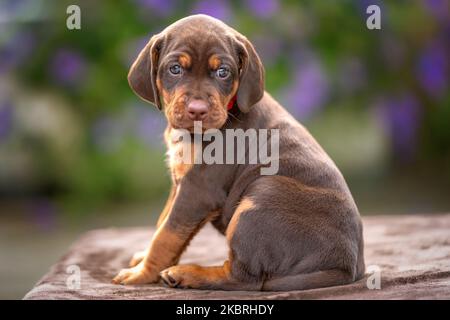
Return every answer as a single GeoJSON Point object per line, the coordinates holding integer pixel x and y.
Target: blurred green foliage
{"type": "Point", "coordinates": [71, 128]}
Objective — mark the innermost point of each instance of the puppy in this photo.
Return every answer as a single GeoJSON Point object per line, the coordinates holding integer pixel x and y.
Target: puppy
{"type": "Point", "coordinates": [299, 229]}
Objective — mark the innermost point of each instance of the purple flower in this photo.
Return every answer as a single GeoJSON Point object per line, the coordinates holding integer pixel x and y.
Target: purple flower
{"type": "Point", "coordinates": [160, 7]}
{"type": "Point", "coordinates": [15, 50]}
{"type": "Point", "coordinates": [309, 90]}
{"type": "Point", "coordinates": [6, 118]}
{"type": "Point", "coordinates": [215, 8]}
{"type": "Point", "coordinates": [400, 118]}
{"type": "Point", "coordinates": [68, 67]}
{"type": "Point", "coordinates": [440, 9]}
{"type": "Point", "coordinates": [150, 126]}
{"type": "Point", "coordinates": [432, 69]}
{"type": "Point", "coordinates": [262, 8]}
{"type": "Point", "coordinates": [9, 9]}
{"type": "Point", "coordinates": [10, 5]}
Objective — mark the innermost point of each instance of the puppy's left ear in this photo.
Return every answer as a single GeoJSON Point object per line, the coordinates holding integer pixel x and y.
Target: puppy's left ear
{"type": "Point", "coordinates": [143, 72]}
{"type": "Point", "coordinates": [251, 80]}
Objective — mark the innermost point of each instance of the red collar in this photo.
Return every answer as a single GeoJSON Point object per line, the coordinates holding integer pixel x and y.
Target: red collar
{"type": "Point", "coordinates": [231, 103]}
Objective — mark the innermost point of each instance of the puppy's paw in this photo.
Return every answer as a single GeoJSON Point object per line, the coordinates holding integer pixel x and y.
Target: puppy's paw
{"type": "Point", "coordinates": [136, 275]}
{"type": "Point", "coordinates": [182, 276]}
{"type": "Point", "coordinates": [137, 258]}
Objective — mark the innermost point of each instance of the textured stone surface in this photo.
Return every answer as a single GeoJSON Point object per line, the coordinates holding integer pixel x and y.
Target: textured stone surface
{"type": "Point", "coordinates": [413, 253]}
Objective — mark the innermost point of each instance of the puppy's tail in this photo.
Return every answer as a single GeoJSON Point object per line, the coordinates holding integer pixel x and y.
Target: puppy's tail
{"type": "Point", "coordinates": [305, 281]}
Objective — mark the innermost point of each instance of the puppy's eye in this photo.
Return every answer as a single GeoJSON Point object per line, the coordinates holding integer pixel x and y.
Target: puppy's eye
{"type": "Point", "coordinates": [223, 72]}
{"type": "Point", "coordinates": [175, 69]}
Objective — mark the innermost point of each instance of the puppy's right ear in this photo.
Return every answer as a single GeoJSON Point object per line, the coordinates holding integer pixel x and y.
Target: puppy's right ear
{"type": "Point", "coordinates": [143, 72]}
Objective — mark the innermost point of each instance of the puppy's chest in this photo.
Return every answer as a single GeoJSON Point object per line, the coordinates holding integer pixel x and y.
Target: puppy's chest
{"type": "Point", "coordinates": [181, 155]}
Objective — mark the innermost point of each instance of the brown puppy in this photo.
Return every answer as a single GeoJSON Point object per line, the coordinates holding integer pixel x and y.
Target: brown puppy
{"type": "Point", "coordinates": [299, 229]}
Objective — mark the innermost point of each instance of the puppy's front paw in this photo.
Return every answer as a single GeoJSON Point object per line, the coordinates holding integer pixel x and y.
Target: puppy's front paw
{"type": "Point", "coordinates": [136, 275]}
{"type": "Point", "coordinates": [137, 258]}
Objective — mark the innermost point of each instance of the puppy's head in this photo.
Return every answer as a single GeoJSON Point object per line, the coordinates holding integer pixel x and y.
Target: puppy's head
{"type": "Point", "coordinates": [194, 68]}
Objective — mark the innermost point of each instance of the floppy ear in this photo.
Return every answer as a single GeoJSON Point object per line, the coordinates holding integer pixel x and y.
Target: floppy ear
{"type": "Point", "coordinates": [143, 72]}
{"type": "Point", "coordinates": [251, 80]}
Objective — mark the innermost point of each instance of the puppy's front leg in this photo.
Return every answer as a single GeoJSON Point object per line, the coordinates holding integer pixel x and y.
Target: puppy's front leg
{"type": "Point", "coordinates": [167, 207]}
{"type": "Point", "coordinates": [140, 255]}
{"type": "Point", "coordinates": [182, 222]}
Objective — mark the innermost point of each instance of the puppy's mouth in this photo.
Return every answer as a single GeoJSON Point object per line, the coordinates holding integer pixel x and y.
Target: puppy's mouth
{"type": "Point", "coordinates": [180, 119]}
{"type": "Point", "coordinates": [197, 126]}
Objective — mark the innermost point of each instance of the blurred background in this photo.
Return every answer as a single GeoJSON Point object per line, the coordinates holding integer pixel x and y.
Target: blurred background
{"type": "Point", "coordinates": [78, 150]}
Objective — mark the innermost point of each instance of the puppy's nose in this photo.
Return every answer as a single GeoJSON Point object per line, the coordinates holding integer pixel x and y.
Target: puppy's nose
{"type": "Point", "coordinates": [197, 110]}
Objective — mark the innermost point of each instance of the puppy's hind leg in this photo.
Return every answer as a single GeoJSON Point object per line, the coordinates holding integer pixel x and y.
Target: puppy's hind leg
{"type": "Point", "coordinates": [212, 278]}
